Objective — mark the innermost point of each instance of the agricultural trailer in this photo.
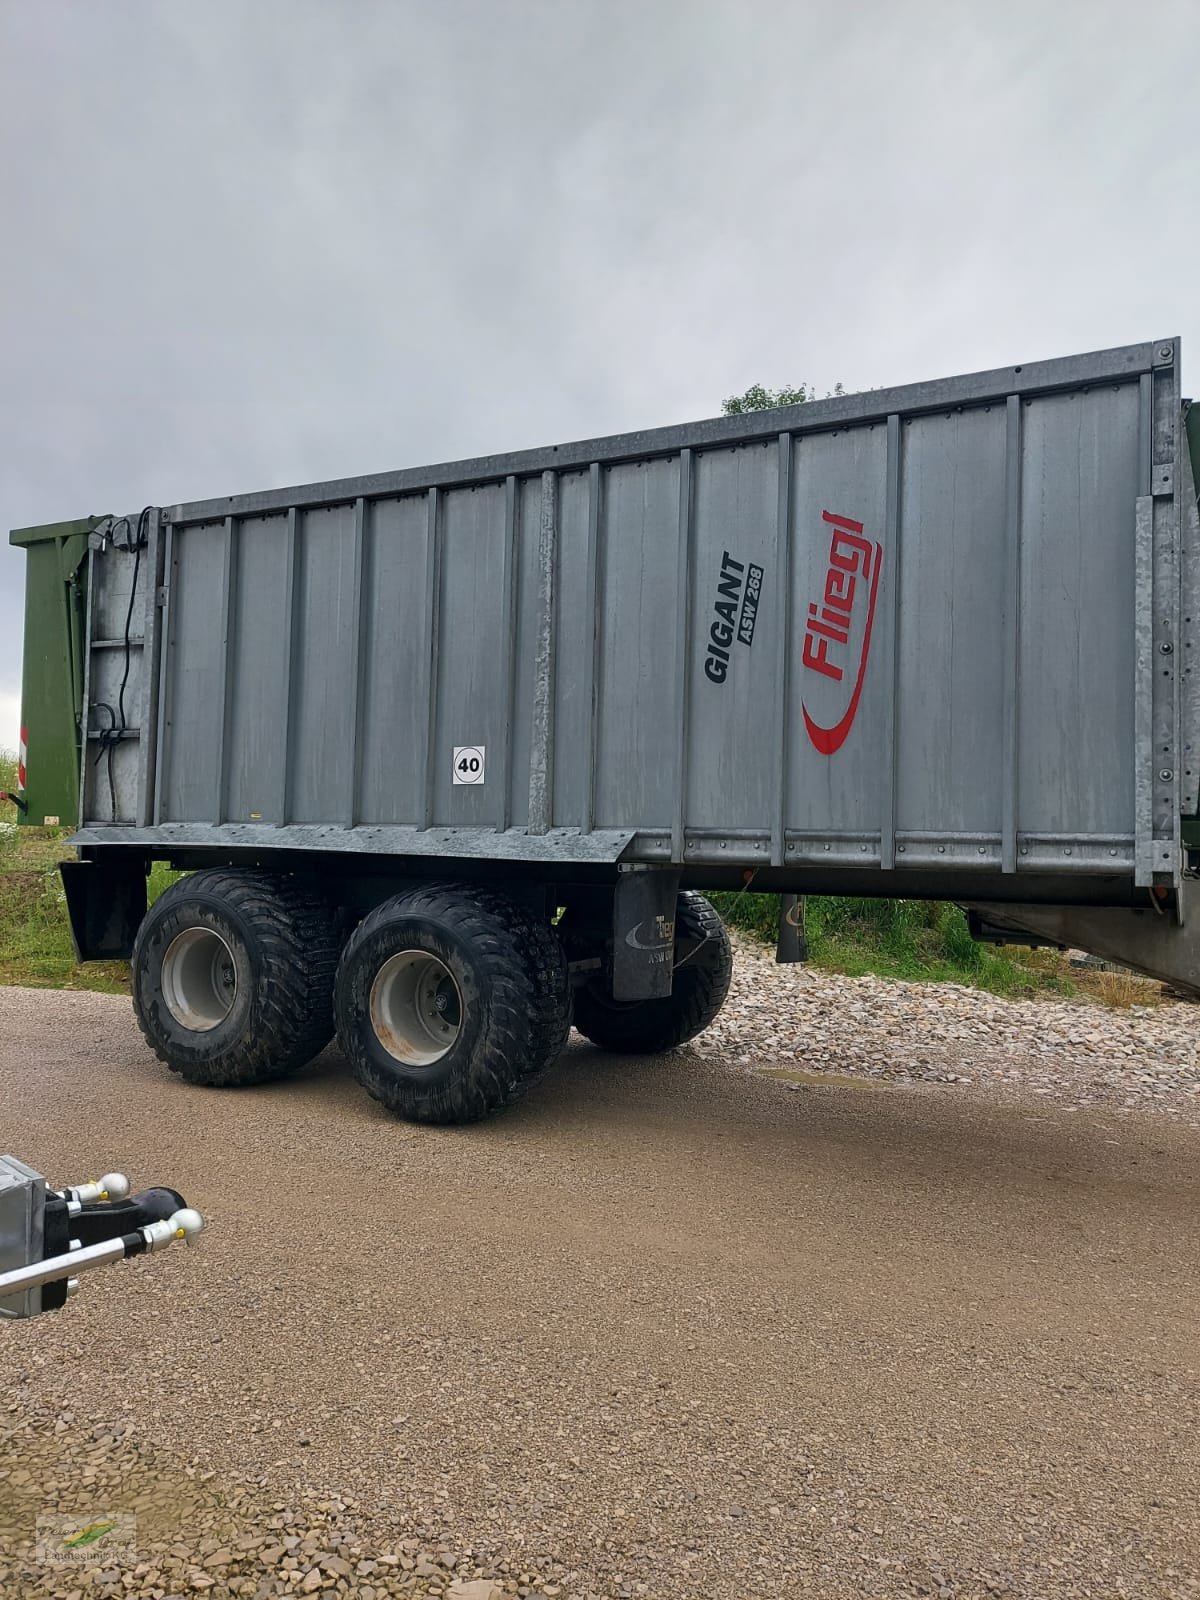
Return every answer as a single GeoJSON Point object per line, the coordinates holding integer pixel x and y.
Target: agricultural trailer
{"type": "Point", "coordinates": [451, 754]}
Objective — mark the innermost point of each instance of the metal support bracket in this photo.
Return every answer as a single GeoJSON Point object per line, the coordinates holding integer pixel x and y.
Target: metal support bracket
{"type": "Point", "coordinates": [792, 945]}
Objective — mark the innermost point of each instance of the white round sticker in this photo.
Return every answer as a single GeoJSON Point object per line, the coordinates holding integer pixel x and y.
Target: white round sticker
{"type": "Point", "coordinates": [468, 763]}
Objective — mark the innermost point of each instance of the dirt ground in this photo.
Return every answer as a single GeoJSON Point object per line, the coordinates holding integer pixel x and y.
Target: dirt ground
{"type": "Point", "coordinates": [665, 1329]}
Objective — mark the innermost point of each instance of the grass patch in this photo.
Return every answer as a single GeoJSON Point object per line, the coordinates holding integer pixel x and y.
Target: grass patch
{"type": "Point", "coordinates": [35, 936]}
{"type": "Point", "coordinates": [35, 939]}
{"type": "Point", "coordinates": [919, 941]}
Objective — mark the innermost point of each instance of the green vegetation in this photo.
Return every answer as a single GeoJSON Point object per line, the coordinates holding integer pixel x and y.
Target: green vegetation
{"type": "Point", "coordinates": [35, 937]}
{"type": "Point", "coordinates": [756, 398]}
{"type": "Point", "coordinates": [921, 941]}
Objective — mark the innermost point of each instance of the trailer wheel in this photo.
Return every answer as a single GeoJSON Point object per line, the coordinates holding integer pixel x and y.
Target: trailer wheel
{"type": "Point", "coordinates": [451, 1002]}
{"type": "Point", "coordinates": [647, 1027]}
{"type": "Point", "coordinates": [233, 977]}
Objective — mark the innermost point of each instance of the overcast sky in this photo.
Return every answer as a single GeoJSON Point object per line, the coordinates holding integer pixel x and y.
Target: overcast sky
{"type": "Point", "coordinates": [245, 243]}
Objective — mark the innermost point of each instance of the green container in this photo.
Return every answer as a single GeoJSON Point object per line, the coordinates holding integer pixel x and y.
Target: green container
{"type": "Point", "coordinates": [56, 575]}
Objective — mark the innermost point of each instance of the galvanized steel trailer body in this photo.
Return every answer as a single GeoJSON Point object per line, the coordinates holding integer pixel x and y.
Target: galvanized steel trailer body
{"type": "Point", "coordinates": [933, 640]}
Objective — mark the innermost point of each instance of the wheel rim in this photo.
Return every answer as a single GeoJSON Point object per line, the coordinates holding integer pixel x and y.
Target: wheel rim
{"type": "Point", "coordinates": [416, 1008]}
{"type": "Point", "coordinates": [199, 979]}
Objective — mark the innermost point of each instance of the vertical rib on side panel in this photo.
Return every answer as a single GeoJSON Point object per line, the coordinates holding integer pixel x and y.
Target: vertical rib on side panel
{"type": "Point", "coordinates": [591, 604]}
{"type": "Point", "coordinates": [287, 717]}
{"type": "Point", "coordinates": [1010, 671]}
{"type": "Point", "coordinates": [779, 730]}
{"type": "Point", "coordinates": [529, 534]}
{"type": "Point", "coordinates": [431, 664]}
{"type": "Point", "coordinates": [507, 666]}
{"type": "Point", "coordinates": [166, 619]}
{"type": "Point", "coordinates": [683, 611]}
{"type": "Point", "coordinates": [541, 754]}
{"type": "Point", "coordinates": [889, 645]}
{"type": "Point", "coordinates": [225, 694]}
{"type": "Point", "coordinates": [575, 630]}
{"type": "Point", "coordinates": [1143, 692]}
{"type": "Point", "coordinates": [1165, 483]}
{"type": "Point", "coordinates": [359, 657]}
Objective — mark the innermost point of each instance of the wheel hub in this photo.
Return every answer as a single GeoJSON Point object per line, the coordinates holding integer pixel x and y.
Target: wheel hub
{"type": "Point", "coordinates": [416, 1008]}
{"type": "Point", "coordinates": [199, 979]}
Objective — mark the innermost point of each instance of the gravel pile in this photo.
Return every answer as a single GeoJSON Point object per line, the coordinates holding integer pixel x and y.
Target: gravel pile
{"type": "Point", "coordinates": [1077, 1053]}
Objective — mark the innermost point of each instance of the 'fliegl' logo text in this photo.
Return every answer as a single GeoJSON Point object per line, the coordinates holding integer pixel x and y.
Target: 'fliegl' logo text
{"type": "Point", "coordinates": [852, 580]}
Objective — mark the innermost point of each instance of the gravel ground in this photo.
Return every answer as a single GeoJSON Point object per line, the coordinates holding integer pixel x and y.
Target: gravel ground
{"type": "Point", "coordinates": [664, 1330]}
{"type": "Point", "coordinates": [1077, 1052]}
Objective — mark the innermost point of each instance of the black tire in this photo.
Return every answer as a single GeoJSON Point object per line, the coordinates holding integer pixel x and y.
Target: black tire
{"type": "Point", "coordinates": [509, 1002]}
{"type": "Point", "coordinates": [282, 947]}
{"type": "Point", "coordinates": [647, 1027]}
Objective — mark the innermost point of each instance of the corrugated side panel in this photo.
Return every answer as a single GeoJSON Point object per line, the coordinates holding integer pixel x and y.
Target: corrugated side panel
{"type": "Point", "coordinates": [837, 799]}
{"type": "Point", "coordinates": [194, 691]}
{"type": "Point", "coordinates": [471, 699]}
{"type": "Point", "coordinates": [729, 778]}
{"type": "Point", "coordinates": [395, 649]}
{"type": "Point", "coordinates": [908, 639]}
{"type": "Point", "coordinates": [1079, 485]}
{"type": "Point", "coordinates": [324, 668]}
{"type": "Point", "coordinates": [259, 664]}
{"type": "Point", "coordinates": [639, 518]}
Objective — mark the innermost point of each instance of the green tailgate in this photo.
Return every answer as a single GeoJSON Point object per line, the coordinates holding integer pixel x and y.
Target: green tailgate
{"type": "Point", "coordinates": [52, 674]}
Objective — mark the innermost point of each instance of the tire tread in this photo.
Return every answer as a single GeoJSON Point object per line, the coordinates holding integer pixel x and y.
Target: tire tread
{"type": "Point", "coordinates": [520, 962]}
{"type": "Point", "coordinates": [297, 939]}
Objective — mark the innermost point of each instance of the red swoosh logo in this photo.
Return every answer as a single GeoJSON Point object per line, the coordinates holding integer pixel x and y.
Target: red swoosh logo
{"type": "Point", "coordinates": [829, 740]}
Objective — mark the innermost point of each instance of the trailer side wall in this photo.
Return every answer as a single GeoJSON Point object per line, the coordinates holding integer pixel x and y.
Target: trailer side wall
{"type": "Point", "coordinates": [934, 627]}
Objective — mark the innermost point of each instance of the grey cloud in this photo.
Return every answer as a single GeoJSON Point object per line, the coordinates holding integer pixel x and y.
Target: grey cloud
{"type": "Point", "coordinates": [257, 243]}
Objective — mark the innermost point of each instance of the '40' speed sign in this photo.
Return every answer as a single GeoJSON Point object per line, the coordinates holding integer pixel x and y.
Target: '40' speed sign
{"type": "Point", "coordinates": [468, 763]}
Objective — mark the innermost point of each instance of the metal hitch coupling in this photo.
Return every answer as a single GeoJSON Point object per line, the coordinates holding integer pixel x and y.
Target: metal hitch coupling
{"type": "Point", "coordinates": [49, 1237]}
